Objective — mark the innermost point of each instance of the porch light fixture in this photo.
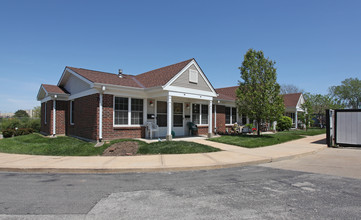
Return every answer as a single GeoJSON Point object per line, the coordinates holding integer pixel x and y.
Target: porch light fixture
{"type": "Point", "coordinates": [103, 88]}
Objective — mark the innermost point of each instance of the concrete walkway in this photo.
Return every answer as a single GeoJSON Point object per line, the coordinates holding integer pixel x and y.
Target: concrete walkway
{"type": "Point", "coordinates": [230, 156]}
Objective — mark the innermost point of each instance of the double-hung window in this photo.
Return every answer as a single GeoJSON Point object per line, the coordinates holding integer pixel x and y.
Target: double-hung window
{"type": "Point", "coordinates": [195, 113]}
{"type": "Point", "coordinates": [121, 107]}
{"type": "Point", "coordinates": [128, 111]}
{"type": "Point", "coordinates": [137, 112]}
{"type": "Point", "coordinates": [204, 116]}
{"type": "Point", "coordinates": [200, 114]}
{"type": "Point", "coordinates": [231, 115]}
{"type": "Point", "coordinates": [45, 110]}
{"type": "Point", "coordinates": [72, 112]}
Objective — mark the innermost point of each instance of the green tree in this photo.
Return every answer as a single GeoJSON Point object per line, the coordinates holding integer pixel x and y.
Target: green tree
{"type": "Point", "coordinates": [319, 105]}
{"type": "Point", "coordinates": [306, 116]}
{"type": "Point", "coordinates": [21, 114]}
{"type": "Point", "coordinates": [348, 93]}
{"type": "Point", "coordinates": [36, 111]}
{"type": "Point", "coordinates": [258, 95]}
{"type": "Point", "coordinates": [289, 88]}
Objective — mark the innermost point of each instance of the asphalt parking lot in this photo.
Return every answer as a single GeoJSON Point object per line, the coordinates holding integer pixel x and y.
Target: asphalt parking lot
{"type": "Point", "coordinates": [252, 192]}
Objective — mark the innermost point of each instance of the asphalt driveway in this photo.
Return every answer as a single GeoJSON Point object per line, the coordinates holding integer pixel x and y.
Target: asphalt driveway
{"type": "Point", "coordinates": [344, 162]}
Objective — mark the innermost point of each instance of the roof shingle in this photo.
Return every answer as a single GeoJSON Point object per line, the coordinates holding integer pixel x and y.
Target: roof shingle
{"type": "Point", "coordinates": [157, 77]}
{"type": "Point", "coordinates": [54, 89]}
{"type": "Point", "coordinates": [161, 76]}
{"type": "Point", "coordinates": [106, 78]}
{"type": "Point", "coordinates": [291, 100]}
{"type": "Point", "coordinates": [227, 93]}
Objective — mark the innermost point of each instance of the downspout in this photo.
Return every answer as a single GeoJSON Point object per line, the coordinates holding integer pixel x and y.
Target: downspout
{"type": "Point", "coordinates": [101, 113]}
{"type": "Point", "coordinates": [215, 117]}
{"type": "Point", "coordinates": [54, 115]}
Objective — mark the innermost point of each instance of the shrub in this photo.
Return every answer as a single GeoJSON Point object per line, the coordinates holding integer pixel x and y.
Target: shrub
{"type": "Point", "coordinates": [33, 124]}
{"type": "Point", "coordinates": [10, 123]}
{"type": "Point", "coordinates": [13, 123]}
{"type": "Point", "coordinates": [284, 123]}
{"type": "Point", "coordinates": [250, 126]}
{"type": "Point", "coordinates": [8, 133]}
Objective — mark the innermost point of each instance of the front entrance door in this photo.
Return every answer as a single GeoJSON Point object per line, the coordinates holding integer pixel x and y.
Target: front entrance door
{"type": "Point", "coordinates": [178, 123]}
{"type": "Point", "coordinates": [162, 118]}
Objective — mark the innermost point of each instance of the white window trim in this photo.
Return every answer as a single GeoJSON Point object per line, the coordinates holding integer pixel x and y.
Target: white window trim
{"type": "Point", "coordinates": [45, 112]}
{"type": "Point", "coordinates": [129, 113]}
{"type": "Point", "coordinates": [200, 113]}
{"type": "Point", "coordinates": [71, 115]}
{"type": "Point", "coordinates": [231, 116]}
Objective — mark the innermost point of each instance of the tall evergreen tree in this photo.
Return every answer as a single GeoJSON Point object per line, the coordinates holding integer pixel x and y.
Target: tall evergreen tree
{"type": "Point", "coordinates": [258, 95]}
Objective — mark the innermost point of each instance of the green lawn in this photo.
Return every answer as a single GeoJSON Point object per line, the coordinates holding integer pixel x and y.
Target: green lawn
{"type": "Point", "coordinates": [37, 144]}
{"type": "Point", "coordinates": [309, 132]}
{"type": "Point", "coordinates": [251, 141]}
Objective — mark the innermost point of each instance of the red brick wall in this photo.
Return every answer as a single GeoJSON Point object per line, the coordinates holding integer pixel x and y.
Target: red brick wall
{"type": "Point", "coordinates": [46, 128]}
{"type": "Point", "coordinates": [61, 109]}
{"type": "Point", "coordinates": [202, 129]}
{"type": "Point", "coordinates": [110, 132]}
{"type": "Point", "coordinates": [221, 118]}
{"type": "Point", "coordinates": [85, 117]}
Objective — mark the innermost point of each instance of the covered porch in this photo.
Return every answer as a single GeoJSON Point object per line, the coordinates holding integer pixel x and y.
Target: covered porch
{"type": "Point", "coordinates": [172, 111]}
{"type": "Point", "coordinates": [293, 113]}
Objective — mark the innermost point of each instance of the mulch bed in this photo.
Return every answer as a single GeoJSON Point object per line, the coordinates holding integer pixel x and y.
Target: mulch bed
{"type": "Point", "coordinates": [125, 148]}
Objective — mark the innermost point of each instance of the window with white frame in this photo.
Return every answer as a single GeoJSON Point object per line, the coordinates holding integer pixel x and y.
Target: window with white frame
{"type": "Point", "coordinates": [231, 115]}
{"type": "Point", "coordinates": [45, 109]}
{"type": "Point", "coordinates": [244, 119]}
{"type": "Point", "coordinates": [204, 111]}
{"type": "Point", "coordinates": [71, 112]}
{"type": "Point", "coordinates": [137, 112]}
{"type": "Point", "coordinates": [162, 114]}
{"type": "Point", "coordinates": [196, 113]}
{"type": "Point", "coordinates": [200, 114]}
{"type": "Point", "coordinates": [125, 107]}
{"type": "Point", "coordinates": [121, 107]}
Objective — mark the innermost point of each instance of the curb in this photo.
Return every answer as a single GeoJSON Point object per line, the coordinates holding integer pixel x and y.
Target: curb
{"type": "Point", "coordinates": [132, 170]}
{"type": "Point", "coordinates": [215, 165]}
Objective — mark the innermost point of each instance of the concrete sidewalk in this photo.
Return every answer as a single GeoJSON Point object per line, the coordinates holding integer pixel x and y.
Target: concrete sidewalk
{"type": "Point", "coordinates": [230, 156]}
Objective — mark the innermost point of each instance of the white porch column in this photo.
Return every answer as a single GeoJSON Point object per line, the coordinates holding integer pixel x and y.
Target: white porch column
{"type": "Point", "coordinates": [100, 116]}
{"type": "Point", "coordinates": [169, 118]}
{"type": "Point", "coordinates": [296, 119]}
{"type": "Point", "coordinates": [54, 116]}
{"type": "Point", "coordinates": [145, 110]}
{"type": "Point", "coordinates": [210, 134]}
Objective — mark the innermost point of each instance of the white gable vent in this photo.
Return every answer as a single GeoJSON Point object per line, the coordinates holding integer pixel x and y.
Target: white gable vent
{"type": "Point", "coordinates": [193, 76]}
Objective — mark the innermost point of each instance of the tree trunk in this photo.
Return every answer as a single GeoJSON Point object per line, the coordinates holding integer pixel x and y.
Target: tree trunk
{"type": "Point", "coordinates": [258, 128]}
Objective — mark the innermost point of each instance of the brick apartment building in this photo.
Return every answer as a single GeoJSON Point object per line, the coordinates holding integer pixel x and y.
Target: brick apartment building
{"type": "Point", "coordinates": [96, 105]}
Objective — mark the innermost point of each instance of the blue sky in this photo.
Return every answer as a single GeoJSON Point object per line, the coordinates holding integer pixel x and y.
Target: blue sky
{"type": "Point", "coordinates": [316, 44]}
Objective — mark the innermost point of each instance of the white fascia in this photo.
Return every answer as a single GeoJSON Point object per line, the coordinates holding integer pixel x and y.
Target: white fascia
{"type": "Point", "coordinates": [41, 89]}
{"type": "Point", "coordinates": [51, 96]}
{"type": "Point", "coordinates": [83, 93]}
{"type": "Point", "coordinates": [191, 96]}
{"type": "Point", "coordinates": [190, 91]}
